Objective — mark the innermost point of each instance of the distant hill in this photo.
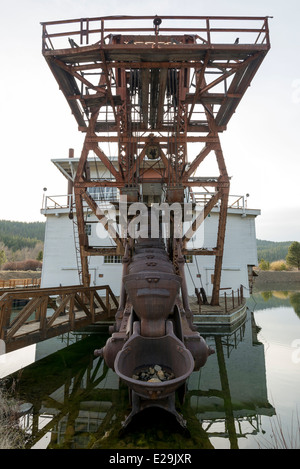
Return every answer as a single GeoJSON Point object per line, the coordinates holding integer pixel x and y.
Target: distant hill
{"type": "Point", "coordinates": [271, 250]}
{"type": "Point", "coordinates": [17, 235]}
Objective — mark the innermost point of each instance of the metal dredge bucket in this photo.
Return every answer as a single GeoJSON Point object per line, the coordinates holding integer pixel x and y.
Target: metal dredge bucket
{"type": "Point", "coordinates": [167, 351]}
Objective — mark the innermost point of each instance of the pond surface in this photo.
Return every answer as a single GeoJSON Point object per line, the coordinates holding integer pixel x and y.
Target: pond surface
{"type": "Point", "coordinates": [247, 395]}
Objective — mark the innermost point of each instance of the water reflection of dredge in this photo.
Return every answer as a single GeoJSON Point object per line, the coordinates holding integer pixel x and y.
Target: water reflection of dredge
{"type": "Point", "coordinates": [150, 91]}
{"type": "Point", "coordinates": [83, 401]}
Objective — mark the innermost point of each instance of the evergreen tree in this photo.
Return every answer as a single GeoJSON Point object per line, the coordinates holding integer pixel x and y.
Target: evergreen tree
{"type": "Point", "coordinates": [293, 256]}
{"type": "Point", "coordinates": [264, 265]}
{"type": "Point", "coordinates": [40, 256]}
{"type": "Point", "coordinates": [2, 257]}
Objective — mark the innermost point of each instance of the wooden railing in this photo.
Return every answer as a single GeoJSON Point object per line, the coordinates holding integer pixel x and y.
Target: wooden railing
{"type": "Point", "coordinates": [48, 312]}
{"type": "Point", "coordinates": [19, 282]}
{"type": "Point", "coordinates": [234, 299]}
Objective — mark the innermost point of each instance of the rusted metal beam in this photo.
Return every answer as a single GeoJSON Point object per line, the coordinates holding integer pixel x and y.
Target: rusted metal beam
{"type": "Point", "coordinates": [161, 96]}
{"type": "Point", "coordinates": [83, 239]}
{"type": "Point", "coordinates": [102, 218]}
{"type": "Point", "coordinates": [220, 248]}
{"type": "Point", "coordinates": [154, 139]}
{"type": "Point", "coordinates": [147, 65]}
{"type": "Point", "coordinates": [199, 81]}
{"type": "Point", "coordinates": [150, 55]}
{"type": "Point", "coordinates": [201, 217]}
{"type": "Point", "coordinates": [107, 162]}
{"type": "Point", "coordinates": [192, 182]}
{"type": "Point", "coordinates": [108, 84]}
{"type": "Point", "coordinates": [200, 252]}
{"type": "Point", "coordinates": [93, 251]}
{"type": "Point", "coordinates": [145, 82]}
{"type": "Point", "coordinates": [196, 162]}
{"type": "Point", "coordinates": [79, 77]}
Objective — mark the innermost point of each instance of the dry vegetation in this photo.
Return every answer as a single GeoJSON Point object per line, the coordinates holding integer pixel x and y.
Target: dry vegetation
{"type": "Point", "coordinates": [22, 254]}
{"type": "Point", "coordinates": [11, 435]}
{"type": "Point", "coordinates": [29, 264]}
{"type": "Point", "coordinates": [279, 265]}
{"type": "Point", "coordinates": [276, 266]}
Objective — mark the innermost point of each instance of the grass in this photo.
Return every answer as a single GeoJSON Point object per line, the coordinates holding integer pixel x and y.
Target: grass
{"type": "Point", "coordinates": [11, 435]}
{"type": "Point", "coordinates": [281, 438]}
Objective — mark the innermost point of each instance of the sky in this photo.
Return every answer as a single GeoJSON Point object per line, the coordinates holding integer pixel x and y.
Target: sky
{"type": "Point", "coordinates": [261, 144]}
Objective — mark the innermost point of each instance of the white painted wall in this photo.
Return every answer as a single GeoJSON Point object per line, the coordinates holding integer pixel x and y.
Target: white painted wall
{"type": "Point", "coordinates": [59, 260]}
{"type": "Point", "coordinates": [60, 266]}
{"type": "Point", "coordinates": [239, 252]}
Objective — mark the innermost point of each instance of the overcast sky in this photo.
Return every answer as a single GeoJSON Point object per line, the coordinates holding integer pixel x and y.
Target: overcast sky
{"type": "Point", "coordinates": [261, 144]}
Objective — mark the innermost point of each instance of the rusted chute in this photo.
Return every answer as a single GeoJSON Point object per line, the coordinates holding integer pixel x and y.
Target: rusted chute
{"type": "Point", "coordinates": [157, 333]}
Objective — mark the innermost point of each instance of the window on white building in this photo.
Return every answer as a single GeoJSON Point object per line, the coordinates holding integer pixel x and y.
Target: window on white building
{"type": "Point", "coordinates": [112, 259]}
{"type": "Point", "coordinates": [189, 259]}
{"type": "Point", "coordinates": [88, 229]}
{"type": "Point", "coordinates": [103, 193]}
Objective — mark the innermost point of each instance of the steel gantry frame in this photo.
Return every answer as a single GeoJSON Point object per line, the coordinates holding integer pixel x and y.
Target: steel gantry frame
{"type": "Point", "coordinates": [155, 87]}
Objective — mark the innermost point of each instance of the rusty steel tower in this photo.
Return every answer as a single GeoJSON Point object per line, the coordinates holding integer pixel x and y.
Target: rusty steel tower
{"type": "Point", "coordinates": [161, 90]}
{"type": "Point", "coordinates": [154, 83]}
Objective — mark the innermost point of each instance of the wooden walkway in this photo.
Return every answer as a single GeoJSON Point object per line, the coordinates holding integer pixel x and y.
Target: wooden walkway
{"type": "Point", "coordinates": [43, 313]}
{"type": "Point", "coordinates": [225, 316]}
{"type": "Point", "coordinates": [19, 282]}
{"type": "Point", "coordinates": [31, 315]}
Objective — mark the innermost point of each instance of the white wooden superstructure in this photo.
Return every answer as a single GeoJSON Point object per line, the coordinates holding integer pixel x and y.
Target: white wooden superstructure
{"type": "Point", "coordinates": [61, 263]}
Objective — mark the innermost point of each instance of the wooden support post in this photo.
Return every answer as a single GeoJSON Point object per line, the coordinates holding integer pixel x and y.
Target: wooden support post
{"type": "Point", "coordinates": [224, 182]}
{"type": "Point", "coordinates": [92, 305]}
{"type": "Point", "coordinates": [82, 239]}
{"type": "Point", "coordinates": [220, 248]}
{"type": "Point", "coordinates": [43, 317]}
{"type": "Point", "coordinates": [5, 317]}
{"type": "Point", "coordinates": [72, 312]}
{"type": "Point", "coordinates": [107, 302]}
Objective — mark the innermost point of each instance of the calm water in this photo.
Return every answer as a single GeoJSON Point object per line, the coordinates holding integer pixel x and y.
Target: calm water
{"type": "Point", "coordinates": [247, 393]}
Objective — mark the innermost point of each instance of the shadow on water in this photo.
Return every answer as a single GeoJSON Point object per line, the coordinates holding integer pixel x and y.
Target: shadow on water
{"type": "Point", "coordinates": [76, 401]}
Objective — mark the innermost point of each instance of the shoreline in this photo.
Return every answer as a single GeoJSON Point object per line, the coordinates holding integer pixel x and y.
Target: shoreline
{"type": "Point", "coordinates": [284, 280]}
{"type": "Point", "coordinates": [16, 274]}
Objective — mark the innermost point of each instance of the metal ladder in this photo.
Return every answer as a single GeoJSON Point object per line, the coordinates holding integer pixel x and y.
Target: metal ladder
{"type": "Point", "coordinates": [72, 216]}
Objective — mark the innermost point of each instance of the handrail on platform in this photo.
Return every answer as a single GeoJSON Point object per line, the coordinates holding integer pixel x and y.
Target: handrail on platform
{"type": "Point", "coordinates": [48, 312]}
{"type": "Point", "coordinates": [19, 282]}
{"type": "Point", "coordinates": [206, 29]}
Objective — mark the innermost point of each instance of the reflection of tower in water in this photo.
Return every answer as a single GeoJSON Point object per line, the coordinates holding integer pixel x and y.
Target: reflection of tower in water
{"type": "Point", "coordinates": [230, 396]}
{"type": "Point", "coordinates": [87, 402]}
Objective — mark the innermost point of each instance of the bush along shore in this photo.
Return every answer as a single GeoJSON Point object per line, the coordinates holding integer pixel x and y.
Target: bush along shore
{"type": "Point", "coordinates": [11, 434]}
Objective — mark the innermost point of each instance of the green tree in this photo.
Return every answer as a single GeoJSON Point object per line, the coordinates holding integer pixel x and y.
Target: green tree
{"type": "Point", "coordinates": [264, 265]}
{"type": "Point", "coordinates": [40, 256]}
{"type": "Point", "coordinates": [2, 257]}
{"type": "Point", "coordinates": [293, 256]}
